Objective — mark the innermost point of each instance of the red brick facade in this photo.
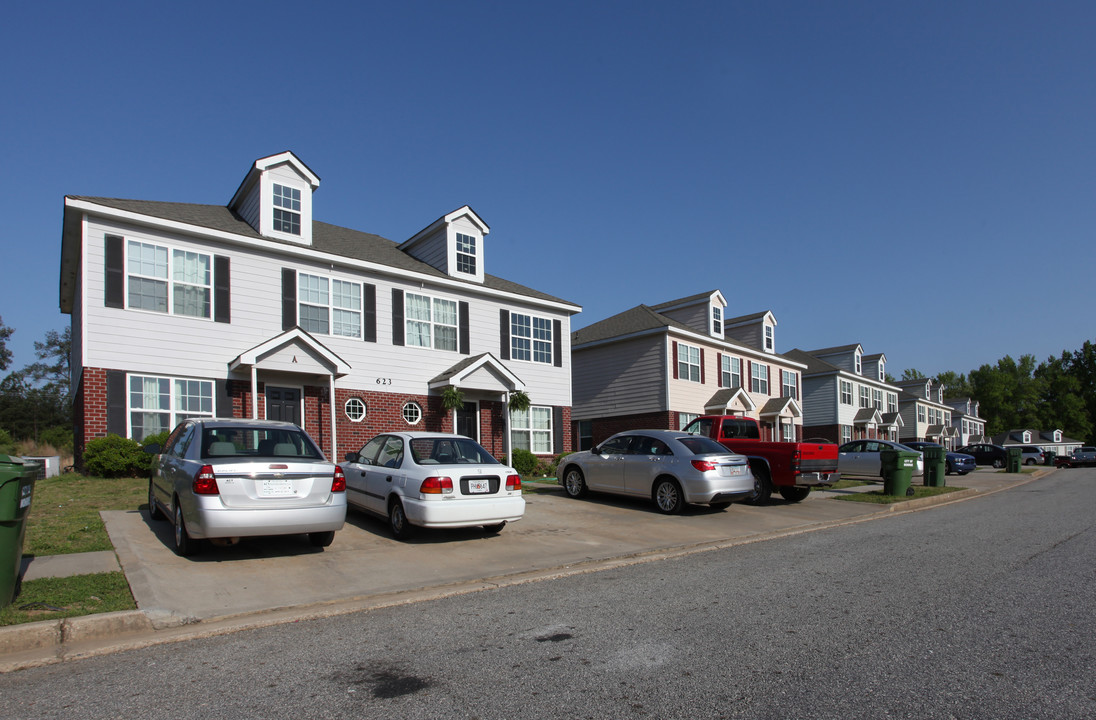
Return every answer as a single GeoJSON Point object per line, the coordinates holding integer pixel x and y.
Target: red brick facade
{"type": "Point", "coordinates": [384, 413]}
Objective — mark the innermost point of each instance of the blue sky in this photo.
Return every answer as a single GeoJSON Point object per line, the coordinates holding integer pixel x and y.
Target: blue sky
{"type": "Point", "coordinates": [916, 177]}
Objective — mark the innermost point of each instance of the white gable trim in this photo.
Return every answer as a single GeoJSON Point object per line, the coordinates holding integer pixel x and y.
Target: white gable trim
{"type": "Point", "coordinates": [789, 408]}
{"type": "Point", "coordinates": [739, 395]}
{"type": "Point", "coordinates": [250, 358]}
{"type": "Point", "coordinates": [488, 362]}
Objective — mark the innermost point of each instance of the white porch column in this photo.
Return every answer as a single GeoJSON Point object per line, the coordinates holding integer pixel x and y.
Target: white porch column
{"type": "Point", "coordinates": [254, 393]}
{"type": "Point", "coordinates": [334, 415]}
{"type": "Point", "coordinates": [506, 427]}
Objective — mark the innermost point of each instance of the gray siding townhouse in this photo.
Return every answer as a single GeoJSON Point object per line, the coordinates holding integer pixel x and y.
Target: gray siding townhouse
{"type": "Point", "coordinates": [846, 395]}
{"type": "Point", "coordinates": [925, 416]}
{"type": "Point", "coordinates": [256, 309]}
{"type": "Point", "coordinates": [969, 427]}
{"type": "Point", "coordinates": [662, 366]}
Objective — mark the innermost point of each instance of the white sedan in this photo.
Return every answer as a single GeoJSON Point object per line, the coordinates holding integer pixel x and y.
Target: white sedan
{"type": "Point", "coordinates": [433, 480]}
{"type": "Point", "coordinates": [863, 458]}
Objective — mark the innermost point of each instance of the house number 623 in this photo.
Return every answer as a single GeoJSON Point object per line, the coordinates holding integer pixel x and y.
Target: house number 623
{"type": "Point", "coordinates": [384, 381]}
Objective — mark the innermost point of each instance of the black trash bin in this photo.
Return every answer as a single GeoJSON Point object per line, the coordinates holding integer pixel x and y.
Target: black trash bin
{"type": "Point", "coordinates": [16, 490]}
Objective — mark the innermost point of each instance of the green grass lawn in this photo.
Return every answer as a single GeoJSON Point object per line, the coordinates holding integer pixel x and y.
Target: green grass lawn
{"type": "Point", "coordinates": [879, 497]}
{"type": "Point", "coordinates": [64, 518]}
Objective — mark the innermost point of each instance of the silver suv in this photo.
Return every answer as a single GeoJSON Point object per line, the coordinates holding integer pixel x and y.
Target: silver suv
{"type": "Point", "coordinates": [1031, 455]}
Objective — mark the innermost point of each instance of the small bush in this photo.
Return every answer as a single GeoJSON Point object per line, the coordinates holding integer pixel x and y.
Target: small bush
{"type": "Point", "coordinates": [115, 456]}
{"type": "Point", "coordinates": [553, 466]}
{"type": "Point", "coordinates": [7, 445]}
{"type": "Point", "coordinates": [59, 438]}
{"type": "Point", "coordinates": [525, 462]}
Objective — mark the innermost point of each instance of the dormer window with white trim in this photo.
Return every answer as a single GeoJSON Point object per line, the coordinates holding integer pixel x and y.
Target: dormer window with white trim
{"type": "Point", "coordinates": [717, 321]}
{"type": "Point", "coordinates": [882, 372]}
{"type": "Point", "coordinates": [466, 254]}
{"type": "Point", "coordinates": [859, 367]}
{"type": "Point", "coordinates": [1027, 436]}
{"type": "Point", "coordinates": [287, 209]}
{"type": "Point", "coordinates": [1057, 436]}
{"type": "Point", "coordinates": [769, 340]}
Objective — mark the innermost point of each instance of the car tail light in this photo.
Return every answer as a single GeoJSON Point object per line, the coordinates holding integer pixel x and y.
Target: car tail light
{"type": "Point", "coordinates": [705, 465]}
{"type": "Point", "coordinates": [513, 482]}
{"type": "Point", "coordinates": [338, 483]}
{"type": "Point", "coordinates": [437, 486]}
{"type": "Point", "coordinates": [796, 457]}
{"type": "Point", "coordinates": [205, 482]}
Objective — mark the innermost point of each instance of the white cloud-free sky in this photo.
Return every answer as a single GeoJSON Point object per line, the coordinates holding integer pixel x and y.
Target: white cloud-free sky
{"type": "Point", "coordinates": [916, 177]}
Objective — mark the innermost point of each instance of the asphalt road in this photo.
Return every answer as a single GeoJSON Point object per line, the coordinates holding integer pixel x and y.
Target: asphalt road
{"type": "Point", "coordinates": [979, 609]}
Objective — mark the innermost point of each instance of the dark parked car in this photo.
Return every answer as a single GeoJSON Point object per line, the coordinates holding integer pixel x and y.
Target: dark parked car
{"type": "Point", "coordinates": [986, 454]}
{"type": "Point", "coordinates": [954, 462]}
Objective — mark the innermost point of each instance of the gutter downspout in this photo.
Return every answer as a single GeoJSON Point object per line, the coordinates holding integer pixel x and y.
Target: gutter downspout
{"type": "Point", "coordinates": [334, 415]}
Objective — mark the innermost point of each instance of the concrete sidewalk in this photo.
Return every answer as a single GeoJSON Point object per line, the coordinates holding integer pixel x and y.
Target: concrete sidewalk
{"type": "Point", "coordinates": [271, 580]}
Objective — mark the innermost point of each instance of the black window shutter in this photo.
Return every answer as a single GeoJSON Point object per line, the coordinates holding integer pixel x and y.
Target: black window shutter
{"type": "Point", "coordinates": [224, 400]}
{"type": "Point", "coordinates": [557, 427]}
{"type": "Point", "coordinates": [504, 334]}
{"type": "Point", "coordinates": [462, 319]}
{"type": "Point", "coordinates": [116, 403]}
{"type": "Point", "coordinates": [222, 293]}
{"type": "Point", "coordinates": [369, 314]}
{"type": "Point", "coordinates": [289, 298]}
{"type": "Point", "coordinates": [557, 343]}
{"type": "Point", "coordinates": [397, 317]}
{"type": "Point", "coordinates": [115, 276]}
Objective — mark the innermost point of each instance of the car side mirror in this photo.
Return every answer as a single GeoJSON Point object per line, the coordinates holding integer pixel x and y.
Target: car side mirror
{"type": "Point", "coordinates": [351, 457]}
{"type": "Point", "coordinates": [595, 450]}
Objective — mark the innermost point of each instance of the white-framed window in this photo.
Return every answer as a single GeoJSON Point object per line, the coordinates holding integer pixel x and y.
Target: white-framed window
{"type": "Point", "coordinates": [688, 362]}
{"type": "Point", "coordinates": [856, 361]}
{"type": "Point", "coordinates": [947, 418]}
{"type": "Point", "coordinates": [166, 280]}
{"type": "Point", "coordinates": [412, 413]}
{"type": "Point", "coordinates": [846, 392]}
{"type": "Point", "coordinates": [532, 429]}
{"type": "Point", "coordinates": [157, 404]}
{"type": "Point", "coordinates": [466, 254]}
{"type": "Point", "coordinates": [759, 378]}
{"type": "Point", "coordinates": [430, 322]}
{"type": "Point", "coordinates": [865, 397]}
{"type": "Point", "coordinates": [731, 371]}
{"type": "Point", "coordinates": [287, 209]}
{"type": "Point", "coordinates": [877, 398]}
{"type": "Point", "coordinates": [355, 409]}
{"type": "Point", "coordinates": [329, 306]}
{"type": "Point", "coordinates": [787, 431]}
{"type": "Point", "coordinates": [921, 413]}
{"type": "Point", "coordinates": [892, 402]}
{"type": "Point", "coordinates": [717, 321]}
{"type": "Point", "coordinates": [769, 337]}
{"type": "Point", "coordinates": [684, 418]}
{"type": "Point", "coordinates": [882, 373]}
{"type": "Point", "coordinates": [1057, 436]}
{"type": "Point", "coordinates": [585, 434]}
{"type": "Point", "coordinates": [846, 434]}
{"type": "Point", "coordinates": [530, 338]}
{"type": "Point", "coordinates": [788, 385]}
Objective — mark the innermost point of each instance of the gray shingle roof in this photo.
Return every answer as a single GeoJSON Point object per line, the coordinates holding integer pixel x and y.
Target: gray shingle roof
{"type": "Point", "coordinates": [685, 300]}
{"type": "Point", "coordinates": [332, 239]}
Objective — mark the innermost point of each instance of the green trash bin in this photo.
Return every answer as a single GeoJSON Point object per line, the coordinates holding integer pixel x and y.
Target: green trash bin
{"type": "Point", "coordinates": [898, 467]}
{"type": "Point", "coordinates": [1048, 457]}
{"type": "Point", "coordinates": [936, 465]}
{"type": "Point", "coordinates": [1015, 459]}
{"type": "Point", "coordinates": [16, 490]}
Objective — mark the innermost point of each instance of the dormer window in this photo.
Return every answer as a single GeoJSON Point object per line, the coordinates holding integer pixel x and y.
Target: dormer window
{"type": "Point", "coordinates": [1027, 436]}
{"type": "Point", "coordinates": [769, 340]}
{"type": "Point", "coordinates": [882, 372]}
{"type": "Point", "coordinates": [287, 209]}
{"type": "Point", "coordinates": [859, 368]}
{"type": "Point", "coordinates": [717, 321]}
{"type": "Point", "coordinates": [1057, 436]}
{"type": "Point", "coordinates": [466, 254]}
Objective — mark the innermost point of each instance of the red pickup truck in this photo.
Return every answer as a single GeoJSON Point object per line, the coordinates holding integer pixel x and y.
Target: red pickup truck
{"type": "Point", "coordinates": [790, 468]}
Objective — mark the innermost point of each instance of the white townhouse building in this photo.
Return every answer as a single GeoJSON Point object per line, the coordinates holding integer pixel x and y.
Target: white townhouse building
{"type": "Point", "coordinates": [664, 365]}
{"type": "Point", "coordinates": [846, 395]}
{"type": "Point", "coordinates": [967, 424]}
{"type": "Point", "coordinates": [925, 415]}
{"type": "Point", "coordinates": [255, 309]}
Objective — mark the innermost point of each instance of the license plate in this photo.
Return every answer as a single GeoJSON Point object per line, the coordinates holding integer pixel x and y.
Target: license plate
{"type": "Point", "coordinates": [276, 488]}
{"type": "Point", "coordinates": [479, 486]}
{"type": "Point", "coordinates": [732, 470]}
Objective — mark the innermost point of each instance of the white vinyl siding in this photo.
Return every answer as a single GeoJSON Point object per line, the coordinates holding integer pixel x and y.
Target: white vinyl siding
{"type": "Point", "coordinates": [532, 429]}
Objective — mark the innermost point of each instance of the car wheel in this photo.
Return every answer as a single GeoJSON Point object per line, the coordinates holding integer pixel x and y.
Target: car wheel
{"type": "Point", "coordinates": [794, 494]}
{"type": "Point", "coordinates": [667, 496]}
{"type": "Point", "coordinates": [1029, 461]}
{"type": "Point", "coordinates": [494, 529]}
{"type": "Point", "coordinates": [998, 463]}
{"type": "Point", "coordinates": [154, 511]}
{"type": "Point", "coordinates": [184, 545]}
{"type": "Point", "coordinates": [321, 539]}
{"type": "Point", "coordinates": [574, 483]}
{"type": "Point", "coordinates": [763, 488]}
{"type": "Point", "coordinates": [397, 521]}
{"type": "Point", "coordinates": [719, 505]}
{"type": "Point", "coordinates": [947, 469]}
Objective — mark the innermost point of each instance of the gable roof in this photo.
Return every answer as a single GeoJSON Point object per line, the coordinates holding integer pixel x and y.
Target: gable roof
{"type": "Point", "coordinates": [836, 349]}
{"type": "Point", "coordinates": [687, 300]}
{"type": "Point", "coordinates": [333, 239]}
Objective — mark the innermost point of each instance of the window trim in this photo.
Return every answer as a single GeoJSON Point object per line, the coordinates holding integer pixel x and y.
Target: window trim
{"type": "Point", "coordinates": [728, 374]}
{"type": "Point", "coordinates": [784, 384]}
{"type": "Point", "coordinates": [841, 386]}
{"type": "Point", "coordinates": [413, 408]}
{"type": "Point", "coordinates": [459, 253]}
{"type": "Point", "coordinates": [756, 380]}
{"type": "Point", "coordinates": [359, 401]}
{"type": "Point", "coordinates": [528, 428]}
{"type": "Point", "coordinates": [292, 210]}
{"type": "Point", "coordinates": [433, 323]}
{"type": "Point", "coordinates": [536, 345]}
{"type": "Point", "coordinates": [716, 326]}
{"type": "Point", "coordinates": [172, 412]}
{"type": "Point", "coordinates": [169, 281]}
{"type": "Point", "coordinates": [685, 366]}
{"type": "Point", "coordinates": [330, 307]}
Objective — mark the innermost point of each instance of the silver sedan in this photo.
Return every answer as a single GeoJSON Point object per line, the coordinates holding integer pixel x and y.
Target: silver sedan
{"type": "Point", "coordinates": [670, 467]}
{"type": "Point", "coordinates": [863, 458]}
{"type": "Point", "coordinates": [225, 479]}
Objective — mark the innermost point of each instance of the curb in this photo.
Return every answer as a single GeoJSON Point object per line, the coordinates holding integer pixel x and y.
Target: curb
{"type": "Point", "coordinates": [54, 641]}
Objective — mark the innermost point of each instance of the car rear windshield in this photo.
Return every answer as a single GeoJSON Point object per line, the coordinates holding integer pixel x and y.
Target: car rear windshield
{"type": "Point", "coordinates": [702, 446]}
{"type": "Point", "coordinates": [450, 451]}
{"type": "Point", "coordinates": [234, 442]}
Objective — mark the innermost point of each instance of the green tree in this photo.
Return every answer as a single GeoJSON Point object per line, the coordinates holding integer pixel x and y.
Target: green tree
{"type": "Point", "coordinates": [37, 397]}
{"type": "Point", "coordinates": [1083, 367]}
{"type": "Point", "coordinates": [5, 354]}
{"type": "Point", "coordinates": [912, 374]}
{"type": "Point", "coordinates": [1009, 393]}
{"type": "Point", "coordinates": [955, 385]}
{"type": "Point", "coordinates": [1062, 405]}
{"type": "Point", "coordinates": [51, 370]}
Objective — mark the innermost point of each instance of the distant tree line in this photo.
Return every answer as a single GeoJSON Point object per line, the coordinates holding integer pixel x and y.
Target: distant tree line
{"type": "Point", "coordinates": [36, 401]}
{"type": "Point", "coordinates": [1058, 393]}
